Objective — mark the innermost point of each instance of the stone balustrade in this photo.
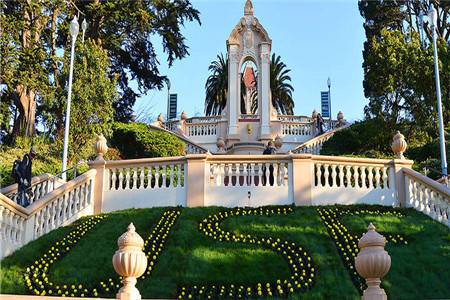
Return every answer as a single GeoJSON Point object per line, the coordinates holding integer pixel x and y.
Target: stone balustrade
{"type": "Point", "coordinates": [296, 129]}
{"type": "Point", "coordinates": [40, 186]}
{"type": "Point", "coordinates": [201, 129]}
{"type": "Point", "coordinates": [427, 196]}
{"type": "Point", "coordinates": [63, 205]}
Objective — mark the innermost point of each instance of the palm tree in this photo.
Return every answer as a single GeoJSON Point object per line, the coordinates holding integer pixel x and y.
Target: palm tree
{"type": "Point", "coordinates": [217, 87]}
{"type": "Point", "coordinates": [280, 86]}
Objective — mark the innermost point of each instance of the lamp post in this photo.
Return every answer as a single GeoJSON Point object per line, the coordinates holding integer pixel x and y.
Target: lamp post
{"type": "Point", "coordinates": [432, 17]}
{"type": "Point", "coordinates": [422, 36]}
{"type": "Point", "coordinates": [74, 29]}
{"type": "Point", "coordinates": [329, 101]}
{"type": "Point", "coordinates": [83, 27]}
{"type": "Point", "coordinates": [168, 98]}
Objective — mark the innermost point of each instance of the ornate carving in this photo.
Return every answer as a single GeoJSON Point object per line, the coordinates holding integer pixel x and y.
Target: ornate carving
{"type": "Point", "coordinates": [248, 9]}
{"type": "Point", "coordinates": [248, 39]}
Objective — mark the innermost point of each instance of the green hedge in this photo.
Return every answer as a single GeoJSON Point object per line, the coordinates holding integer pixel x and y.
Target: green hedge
{"type": "Point", "coordinates": [138, 140]}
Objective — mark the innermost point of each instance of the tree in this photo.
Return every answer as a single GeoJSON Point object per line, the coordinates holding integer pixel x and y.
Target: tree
{"type": "Point", "coordinates": [128, 31]}
{"type": "Point", "coordinates": [217, 87]}
{"type": "Point", "coordinates": [398, 63]}
{"type": "Point", "coordinates": [34, 33]}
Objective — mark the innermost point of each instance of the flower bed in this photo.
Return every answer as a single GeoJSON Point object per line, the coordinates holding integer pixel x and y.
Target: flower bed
{"type": "Point", "coordinates": [299, 261]}
{"type": "Point", "coordinates": [39, 283]}
{"type": "Point", "coordinates": [347, 242]}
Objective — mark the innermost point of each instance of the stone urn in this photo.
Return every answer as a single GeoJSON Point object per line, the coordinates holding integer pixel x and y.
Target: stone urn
{"type": "Point", "coordinates": [220, 144]}
{"type": "Point", "coordinates": [314, 114]}
{"type": "Point", "coordinates": [100, 146]}
{"type": "Point", "coordinates": [278, 142]}
{"type": "Point", "coordinates": [161, 118]}
{"type": "Point", "coordinates": [399, 145]}
{"type": "Point", "coordinates": [183, 116]}
{"type": "Point", "coordinates": [373, 263]}
{"type": "Point", "coordinates": [129, 262]}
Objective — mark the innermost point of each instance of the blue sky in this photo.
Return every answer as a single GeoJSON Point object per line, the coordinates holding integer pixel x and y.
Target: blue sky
{"type": "Point", "coordinates": [315, 39]}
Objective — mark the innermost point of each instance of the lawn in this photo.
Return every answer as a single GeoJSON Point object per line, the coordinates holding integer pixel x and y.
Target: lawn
{"type": "Point", "coordinates": [236, 255]}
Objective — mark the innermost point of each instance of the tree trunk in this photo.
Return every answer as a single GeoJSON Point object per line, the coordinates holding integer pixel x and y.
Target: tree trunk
{"type": "Point", "coordinates": [26, 104]}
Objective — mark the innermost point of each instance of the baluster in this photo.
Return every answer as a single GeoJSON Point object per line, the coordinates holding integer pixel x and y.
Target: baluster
{"type": "Point", "coordinates": [2, 222]}
{"type": "Point", "coordinates": [133, 184]}
{"type": "Point", "coordinates": [385, 178]}
{"type": "Point", "coordinates": [348, 176]}
{"type": "Point", "coordinates": [333, 175]}
{"type": "Point", "coordinates": [141, 177]}
{"type": "Point", "coordinates": [356, 176]}
{"type": "Point", "coordinates": [221, 177]}
{"type": "Point", "coordinates": [275, 173]}
{"type": "Point", "coordinates": [150, 178]}
{"type": "Point", "coordinates": [164, 176]}
{"type": "Point", "coordinates": [157, 176]}
{"type": "Point", "coordinates": [127, 179]}
{"type": "Point", "coordinates": [121, 185]}
{"type": "Point", "coordinates": [281, 174]}
{"type": "Point", "coordinates": [370, 177]}
{"type": "Point", "coordinates": [377, 177]}
{"type": "Point", "coordinates": [363, 177]}
{"type": "Point", "coordinates": [341, 175]}
{"type": "Point", "coordinates": [171, 181]}
{"type": "Point", "coordinates": [327, 175]}
{"type": "Point", "coordinates": [114, 178]}
{"type": "Point", "coordinates": [245, 174]}
{"type": "Point", "coordinates": [319, 175]}
{"type": "Point", "coordinates": [179, 179]}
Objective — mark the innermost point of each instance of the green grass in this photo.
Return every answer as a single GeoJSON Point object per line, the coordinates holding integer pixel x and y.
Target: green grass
{"type": "Point", "coordinates": [419, 270]}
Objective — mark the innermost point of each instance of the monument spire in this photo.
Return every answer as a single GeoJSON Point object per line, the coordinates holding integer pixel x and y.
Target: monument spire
{"type": "Point", "coordinates": [248, 10]}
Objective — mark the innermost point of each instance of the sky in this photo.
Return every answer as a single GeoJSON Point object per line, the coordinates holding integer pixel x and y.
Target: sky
{"type": "Point", "coordinates": [315, 39]}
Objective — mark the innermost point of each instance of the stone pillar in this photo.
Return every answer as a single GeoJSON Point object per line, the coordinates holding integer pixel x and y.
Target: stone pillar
{"type": "Point", "coordinates": [129, 262]}
{"type": "Point", "coordinates": [233, 101]}
{"type": "Point", "coordinates": [373, 263]}
{"type": "Point", "coordinates": [196, 179]}
{"type": "Point", "coordinates": [302, 179]}
{"type": "Point", "coordinates": [264, 95]}
{"type": "Point", "coordinates": [399, 146]}
{"type": "Point", "coordinates": [99, 164]}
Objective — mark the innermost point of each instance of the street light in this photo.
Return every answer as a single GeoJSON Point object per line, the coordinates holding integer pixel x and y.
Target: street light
{"type": "Point", "coordinates": [83, 27]}
{"type": "Point", "coordinates": [432, 17]}
{"type": "Point", "coordinates": [74, 29]}
{"type": "Point", "coordinates": [168, 98]}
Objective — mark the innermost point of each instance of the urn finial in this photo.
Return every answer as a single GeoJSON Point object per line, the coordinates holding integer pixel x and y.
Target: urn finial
{"type": "Point", "coordinates": [373, 263]}
{"type": "Point", "coordinates": [399, 145]}
{"type": "Point", "coordinates": [100, 146]}
{"type": "Point", "coordinates": [129, 262]}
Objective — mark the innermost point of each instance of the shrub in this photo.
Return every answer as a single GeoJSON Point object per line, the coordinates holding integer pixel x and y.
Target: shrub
{"type": "Point", "coordinates": [137, 140]}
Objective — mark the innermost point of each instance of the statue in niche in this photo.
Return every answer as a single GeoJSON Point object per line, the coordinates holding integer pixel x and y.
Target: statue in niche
{"type": "Point", "coordinates": [249, 93]}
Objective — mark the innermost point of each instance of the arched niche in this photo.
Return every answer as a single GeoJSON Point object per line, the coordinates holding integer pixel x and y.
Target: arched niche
{"type": "Point", "coordinates": [248, 92]}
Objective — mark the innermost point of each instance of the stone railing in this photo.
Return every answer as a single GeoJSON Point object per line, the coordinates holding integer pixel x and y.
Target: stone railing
{"type": "Point", "coordinates": [297, 119]}
{"type": "Point", "coordinates": [201, 129]}
{"type": "Point", "coordinates": [427, 196]}
{"type": "Point", "coordinates": [248, 180]}
{"type": "Point", "coordinates": [40, 186]}
{"type": "Point", "coordinates": [314, 145]}
{"type": "Point", "coordinates": [210, 119]}
{"type": "Point", "coordinates": [63, 205]}
{"type": "Point", "coordinates": [303, 129]}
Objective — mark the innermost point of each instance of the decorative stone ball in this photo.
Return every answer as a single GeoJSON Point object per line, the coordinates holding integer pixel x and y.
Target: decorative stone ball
{"type": "Point", "coordinates": [220, 144]}
{"type": "Point", "coordinates": [399, 145]}
{"type": "Point", "coordinates": [278, 142]}
{"type": "Point", "coordinates": [340, 117]}
{"type": "Point", "coordinates": [372, 261]}
{"type": "Point", "coordinates": [161, 118]}
{"type": "Point", "coordinates": [183, 116]}
{"type": "Point", "coordinates": [314, 114]}
{"type": "Point", "coordinates": [100, 146]}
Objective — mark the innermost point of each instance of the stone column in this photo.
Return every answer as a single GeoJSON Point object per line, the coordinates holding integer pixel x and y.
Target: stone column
{"type": "Point", "coordinates": [129, 262]}
{"type": "Point", "coordinates": [399, 146]}
{"type": "Point", "coordinates": [302, 179]}
{"type": "Point", "coordinates": [99, 164]}
{"type": "Point", "coordinates": [373, 263]}
{"type": "Point", "coordinates": [233, 100]}
{"type": "Point", "coordinates": [264, 95]}
{"type": "Point", "coordinates": [196, 179]}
